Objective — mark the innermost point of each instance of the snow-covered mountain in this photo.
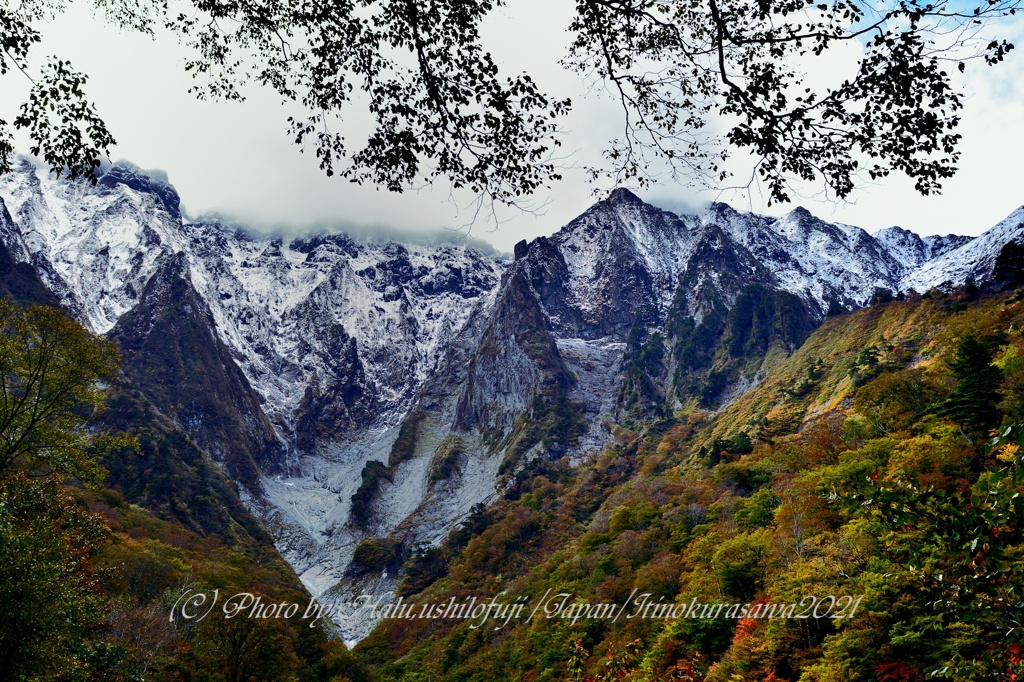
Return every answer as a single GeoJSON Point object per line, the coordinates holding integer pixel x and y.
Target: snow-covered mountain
{"type": "Point", "coordinates": [276, 305]}
{"type": "Point", "coordinates": [913, 251]}
{"type": "Point", "coordinates": [977, 259]}
{"type": "Point", "coordinates": [379, 390]}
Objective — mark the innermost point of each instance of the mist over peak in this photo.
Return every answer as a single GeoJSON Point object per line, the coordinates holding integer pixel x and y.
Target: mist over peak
{"type": "Point", "coordinates": [369, 234]}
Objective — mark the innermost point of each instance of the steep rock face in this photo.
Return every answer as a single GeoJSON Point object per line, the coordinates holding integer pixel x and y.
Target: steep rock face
{"type": "Point", "coordinates": [649, 293]}
{"type": "Point", "coordinates": [340, 401]}
{"type": "Point", "coordinates": [718, 267]}
{"type": "Point", "coordinates": [93, 247]}
{"type": "Point", "coordinates": [285, 308]}
{"type": "Point", "coordinates": [940, 245]}
{"type": "Point", "coordinates": [169, 348]}
{"type": "Point", "coordinates": [19, 281]}
{"type": "Point", "coordinates": [516, 359]}
{"type": "Point", "coordinates": [139, 181]}
{"type": "Point", "coordinates": [282, 309]}
{"type": "Point", "coordinates": [1008, 270]}
{"type": "Point", "coordinates": [729, 310]}
{"type": "Point", "coordinates": [818, 261]}
{"type": "Point", "coordinates": [620, 250]}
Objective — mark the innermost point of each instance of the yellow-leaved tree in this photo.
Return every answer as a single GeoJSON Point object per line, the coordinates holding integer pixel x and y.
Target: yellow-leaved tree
{"type": "Point", "coordinates": [52, 375]}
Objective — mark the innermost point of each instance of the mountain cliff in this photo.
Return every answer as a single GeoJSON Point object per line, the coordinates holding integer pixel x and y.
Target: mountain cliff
{"type": "Point", "coordinates": [367, 392]}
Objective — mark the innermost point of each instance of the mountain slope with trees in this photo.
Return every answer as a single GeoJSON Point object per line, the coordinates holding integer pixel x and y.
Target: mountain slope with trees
{"type": "Point", "coordinates": [91, 566]}
{"type": "Point", "coordinates": [865, 465]}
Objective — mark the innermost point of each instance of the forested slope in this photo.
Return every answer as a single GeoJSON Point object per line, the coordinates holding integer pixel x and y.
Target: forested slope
{"type": "Point", "coordinates": [878, 464]}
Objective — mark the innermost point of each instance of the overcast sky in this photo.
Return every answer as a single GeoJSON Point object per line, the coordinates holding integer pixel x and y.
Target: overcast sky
{"type": "Point", "coordinates": [236, 159]}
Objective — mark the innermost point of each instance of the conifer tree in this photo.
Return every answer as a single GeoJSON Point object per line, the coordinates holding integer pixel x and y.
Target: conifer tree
{"type": "Point", "coordinates": [972, 403]}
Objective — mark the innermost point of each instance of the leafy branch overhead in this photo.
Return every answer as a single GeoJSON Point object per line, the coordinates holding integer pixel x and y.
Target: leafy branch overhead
{"type": "Point", "coordinates": [695, 78]}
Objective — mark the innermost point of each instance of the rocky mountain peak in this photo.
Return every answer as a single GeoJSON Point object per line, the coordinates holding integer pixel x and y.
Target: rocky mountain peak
{"type": "Point", "coordinates": [138, 180]}
{"type": "Point", "coordinates": [799, 224]}
{"type": "Point", "coordinates": [905, 246]}
{"type": "Point", "coordinates": [331, 242]}
{"type": "Point", "coordinates": [621, 195]}
{"type": "Point", "coordinates": [720, 208]}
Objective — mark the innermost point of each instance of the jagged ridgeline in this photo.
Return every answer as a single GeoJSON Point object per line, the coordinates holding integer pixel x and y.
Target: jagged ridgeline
{"type": "Point", "coordinates": [368, 396]}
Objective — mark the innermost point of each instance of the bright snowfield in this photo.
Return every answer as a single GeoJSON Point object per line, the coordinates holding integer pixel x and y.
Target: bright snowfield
{"type": "Point", "coordinates": [417, 314]}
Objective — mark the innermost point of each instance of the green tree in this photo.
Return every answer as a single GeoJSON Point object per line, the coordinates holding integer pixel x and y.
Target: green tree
{"type": "Point", "coordinates": [972, 403]}
{"type": "Point", "coordinates": [896, 399]}
{"type": "Point", "coordinates": [741, 444]}
{"type": "Point", "coordinates": [242, 649]}
{"type": "Point", "coordinates": [962, 552]}
{"type": "Point", "coordinates": [1012, 365]}
{"type": "Point", "coordinates": [51, 609]}
{"type": "Point", "coordinates": [51, 371]}
{"type": "Point", "coordinates": [441, 107]}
